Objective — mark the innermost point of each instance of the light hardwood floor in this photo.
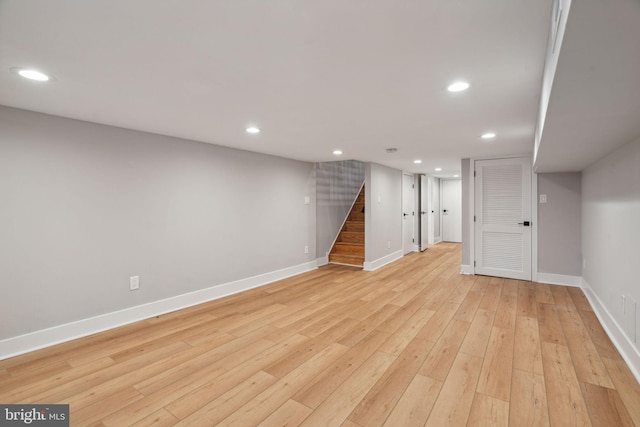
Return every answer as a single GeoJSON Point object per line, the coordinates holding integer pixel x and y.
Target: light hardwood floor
{"type": "Point", "coordinates": [414, 343]}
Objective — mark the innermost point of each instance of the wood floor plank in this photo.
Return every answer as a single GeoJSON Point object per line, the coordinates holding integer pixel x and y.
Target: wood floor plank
{"type": "Point", "coordinates": [413, 408]}
{"type": "Point", "coordinates": [605, 406]}
{"type": "Point", "coordinates": [376, 405]}
{"type": "Point", "coordinates": [443, 353]}
{"type": "Point", "coordinates": [566, 406]}
{"type": "Point", "coordinates": [586, 360]}
{"type": "Point", "coordinates": [260, 407]}
{"type": "Point", "coordinates": [526, 300]}
{"type": "Point", "coordinates": [579, 299]}
{"type": "Point", "coordinates": [412, 343]}
{"type": "Point", "coordinates": [337, 407]}
{"type": "Point", "coordinates": [469, 305]}
{"type": "Point", "coordinates": [543, 293]}
{"type": "Point", "coordinates": [456, 395]}
{"type": "Point", "coordinates": [528, 404]}
{"type": "Point", "coordinates": [527, 354]}
{"type": "Point", "coordinates": [477, 338]}
{"type": "Point", "coordinates": [318, 390]}
{"type": "Point", "coordinates": [160, 418]}
{"type": "Point", "coordinates": [487, 411]}
{"type": "Point", "coordinates": [626, 385]}
{"type": "Point", "coordinates": [218, 409]}
{"type": "Point", "coordinates": [549, 325]}
{"type": "Point", "coordinates": [405, 334]}
{"type": "Point", "coordinates": [291, 413]}
{"type": "Point", "coordinates": [366, 326]}
{"type": "Point", "coordinates": [507, 308]}
{"type": "Point", "coordinates": [562, 298]}
{"type": "Point", "coordinates": [598, 336]}
{"type": "Point", "coordinates": [495, 378]}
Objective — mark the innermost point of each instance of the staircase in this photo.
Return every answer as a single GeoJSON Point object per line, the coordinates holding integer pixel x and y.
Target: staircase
{"type": "Point", "coordinates": [349, 246]}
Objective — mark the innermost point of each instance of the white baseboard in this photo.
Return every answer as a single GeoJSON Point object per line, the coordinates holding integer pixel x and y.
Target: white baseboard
{"type": "Point", "coordinates": [322, 261]}
{"type": "Point", "coordinates": [58, 334]}
{"type": "Point", "coordinates": [387, 259]}
{"type": "Point", "coordinates": [416, 248]}
{"type": "Point", "coordinates": [627, 349]}
{"type": "Point", "coordinates": [559, 279]}
{"type": "Point", "coordinates": [466, 269]}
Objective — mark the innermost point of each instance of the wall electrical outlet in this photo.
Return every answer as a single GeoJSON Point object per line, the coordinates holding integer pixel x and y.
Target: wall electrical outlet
{"type": "Point", "coordinates": [134, 283]}
{"type": "Point", "coordinates": [389, 244]}
{"type": "Point", "coordinates": [306, 249]}
{"type": "Point", "coordinates": [543, 198]}
{"type": "Point", "coordinates": [307, 200]}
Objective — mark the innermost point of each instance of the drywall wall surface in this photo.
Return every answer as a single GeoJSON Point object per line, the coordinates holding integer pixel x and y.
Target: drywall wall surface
{"type": "Point", "coordinates": [467, 211]}
{"type": "Point", "coordinates": [560, 223]}
{"type": "Point", "coordinates": [84, 207]}
{"type": "Point", "coordinates": [611, 228]}
{"type": "Point", "coordinates": [383, 218]}
{"type": "Point", "coordinates": [337, 186]}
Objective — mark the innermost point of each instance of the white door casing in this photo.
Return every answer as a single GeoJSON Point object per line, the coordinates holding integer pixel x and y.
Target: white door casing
{"type": "Point", "coordinates": [424, 212]}
{"type": "Point", "coordinates": [503, 218]}
{"type": "Point", "coordinates": [452, 210]}
{"type": "Point", "coordinates": [407, 213]}
{"type": "Point", "coordinates": [436, 214]}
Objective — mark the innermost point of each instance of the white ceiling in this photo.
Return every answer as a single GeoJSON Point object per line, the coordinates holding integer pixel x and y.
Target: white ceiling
{"type": "Point", "coordinates": [360, 75]}
{"type": "Point", "coordinates": [595, 102]}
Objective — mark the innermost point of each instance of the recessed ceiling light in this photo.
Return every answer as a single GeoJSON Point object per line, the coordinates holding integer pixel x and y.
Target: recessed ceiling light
{"type": "Point", "coordinates": [438, 169]}
{"type": "Point", "coordinates": [417, 162]}
{"type": "Point", "coordinates": [458, 86]}
{"type": "Point", "coordinates": [488, 135]}
{"type": "Point", "coordinates": [253, 129]}
{"type": "Point", "coordinates": [337, 152]}
{"type": "Point", "coordinates": [456, 176]}
{"type": "Point", "coordinates": [32, 74]}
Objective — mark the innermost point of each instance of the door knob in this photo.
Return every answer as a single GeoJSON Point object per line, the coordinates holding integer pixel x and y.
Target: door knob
{"type": "Point", "coordinates": [405, 214]}
{"type": "Point", "coordinates": [525, 223]}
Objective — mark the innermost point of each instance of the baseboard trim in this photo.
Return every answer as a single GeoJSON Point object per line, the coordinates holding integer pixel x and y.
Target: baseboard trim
{"type": "Point", "coordinates": [627, 350]}
{"type": "Point", "coordinates": [322, 261]}
{"type": "Point", "coordinates": [466, 269]}
{"type": "Point", "coordinates": [15, 346]}
{"type": "Point", "coordinates": [381, 262]}
{"type": "Point", "coordinates": [559, 279]}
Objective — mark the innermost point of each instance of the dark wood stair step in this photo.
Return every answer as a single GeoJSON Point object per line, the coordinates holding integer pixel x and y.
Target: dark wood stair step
{"type": "Point", "coordinates": [351, 237]}
{"type": "Point", "coordinates": [347, 259]}
{"type": "Point", "coordinates": [350, 225]}
{"type": "Point", "coordinates": [348, 248]}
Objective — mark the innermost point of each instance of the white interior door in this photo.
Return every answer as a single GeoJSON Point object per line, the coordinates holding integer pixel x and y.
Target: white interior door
{"type": "Point", "coordinates": [503, 218]}
{"type": "Point", "coordinates": [452, 210]}
{"type": "Point", "coordinates": [407, 214]}
{"type": "Point", "coordinates": [424, 212]}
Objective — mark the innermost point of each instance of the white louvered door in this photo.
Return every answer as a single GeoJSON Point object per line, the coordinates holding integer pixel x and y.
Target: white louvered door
{"type": "Point", "coordinates": [503, 218]}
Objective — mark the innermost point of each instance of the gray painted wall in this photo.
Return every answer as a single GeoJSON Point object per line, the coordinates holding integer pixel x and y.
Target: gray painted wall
{"type": "Point", "coordinates": [337, 186]}
{"type": "Point", "coordinates": [383, 218]}
{"type": "Point", "coordinates": [467, 211]}
{"type": "Point", "coordinates": [611, 227]}
{"type": "Point", "coordinates": [85, 206]}
{"type": "Point", "coordinates": [559, 223]}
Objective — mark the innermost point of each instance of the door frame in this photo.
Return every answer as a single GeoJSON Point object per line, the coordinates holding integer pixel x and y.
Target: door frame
{"type": "Point", "coordinates": [410, 221]}
{"type": "Point", "coordinates": [470, 269]}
